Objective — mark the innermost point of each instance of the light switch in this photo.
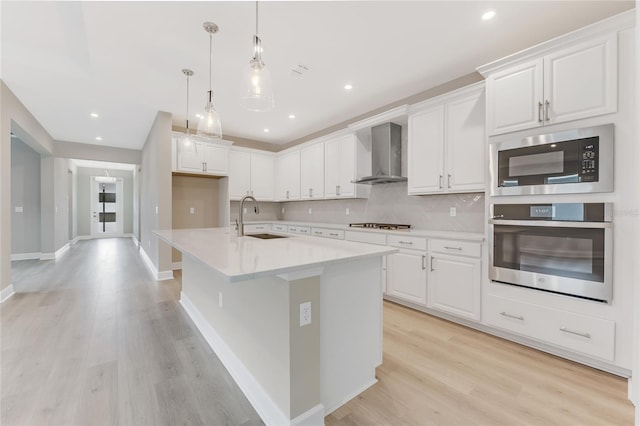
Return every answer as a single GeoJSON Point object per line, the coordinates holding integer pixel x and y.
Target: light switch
{"type": "Point", "coordinates": [309, 210]}
{"type": "Point", "coordinates": [452, 211]}
{"type": "Point", "coordinates": [19, 209]}
{"type": "Point", "coordinates": [192, 210]}
{"type": "Point", "coordinates": [346, 211]}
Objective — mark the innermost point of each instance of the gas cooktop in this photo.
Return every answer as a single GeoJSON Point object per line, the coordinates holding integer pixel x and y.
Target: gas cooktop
{"type": "Point", "coordinates": [391, 226]}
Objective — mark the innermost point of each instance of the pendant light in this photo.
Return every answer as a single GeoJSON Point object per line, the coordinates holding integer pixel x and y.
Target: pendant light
{"type": "Point", "coordinates": [209, 126]}
{"type": "Point", "coordinates": [258, 92]}
{"type": "Point", "coordinates": [187, 143]}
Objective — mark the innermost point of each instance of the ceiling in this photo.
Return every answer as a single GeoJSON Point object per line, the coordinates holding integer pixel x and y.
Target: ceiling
{"type": "Point", "coordinates": [91, 164]}
{"type": "Point", "coordinates": [123, 60]}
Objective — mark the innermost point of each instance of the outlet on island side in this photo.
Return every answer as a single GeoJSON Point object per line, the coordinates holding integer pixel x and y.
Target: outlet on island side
{"type": "Point", "coordinates": [346, 211]}
{"type": "Point", "coordinates": [310, 210]}
{"type": "Point", "coordinates": [452, 211]}
{"type": "Point", "coordinates": [220, 299]}
{"type": "Point", "coordinates": [305, 313]}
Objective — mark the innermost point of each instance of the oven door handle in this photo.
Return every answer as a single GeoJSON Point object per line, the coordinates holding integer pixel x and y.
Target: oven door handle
{"type": "Point", "coordinates": [552, 224]}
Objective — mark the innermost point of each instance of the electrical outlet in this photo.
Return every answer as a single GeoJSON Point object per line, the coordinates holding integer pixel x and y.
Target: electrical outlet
{"type": "Point", "coordinates": [220, 299]}
{"type": "Point", "coordinates": [156, 209]}
{"type": "Point", "coordinates": [305, 313]}
{"type": "Point", "coordinates": [309, 210]}
{"type": "Point", "coordinates": [283, 210]}
{"type": "Point", "coordinates": [346, 211]}
{"type": "Point", "coordinates": [19, 209]}
{"type": "Point", "coordinates": [192, 210]}
{"type": "Point", "coordinates": [452, 211]}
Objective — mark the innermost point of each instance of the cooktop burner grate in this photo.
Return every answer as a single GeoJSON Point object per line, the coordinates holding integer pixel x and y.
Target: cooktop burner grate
{"type": "Point", "coordinates": [392, 226]}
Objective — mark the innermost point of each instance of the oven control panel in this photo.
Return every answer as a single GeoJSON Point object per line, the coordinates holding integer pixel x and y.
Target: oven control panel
{"type": "Point", "coordinates": [589, 162]}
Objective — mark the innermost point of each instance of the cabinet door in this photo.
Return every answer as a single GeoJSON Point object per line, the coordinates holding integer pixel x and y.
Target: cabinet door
{"type": "Point", "coordinates": [340, 167]}
{"type": "Point", "coordinates": [262, 176]}
{"type": "Point", "coordinates": [514, 98]}
{"type": "Point", "coordinates": [312, 172]}
{"type": "Point", "coordinates": [407, 276]}
{"type": "Point", "coordinates": [239, 174]}
{"type": "Point", "coordinates": [288, 176]}
{"type": "Point", "coordinates": [581, 81]}
{"type": "Point", "coordinates": [191, 157]}
{"type": "Point", "coordinates": [216, 160]}
{"type": "Point", "coordinates": [454, 285]}
{"type": "Point", "coordinates": [426, 151]}
{"type": "Point", "coordinates": [466, 146]}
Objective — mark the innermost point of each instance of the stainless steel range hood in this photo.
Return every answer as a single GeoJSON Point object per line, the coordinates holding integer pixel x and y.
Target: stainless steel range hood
{"type": "Point", "coordinates": [386, 155]}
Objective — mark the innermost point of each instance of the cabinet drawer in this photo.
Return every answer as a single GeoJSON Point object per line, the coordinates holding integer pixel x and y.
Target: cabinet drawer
{"type": "Point", "coordinates": [407, 242]}
{"type": "Point", "coordinates": [328, 233]}
{"type": "Point", "coordinates": [463, 248]}
{"type": "Point", "coordinates": [366, 237]}
{"type": "Point", "coordinates": [279, 227]}
{"type": "Point", "coordinates": [575, 332]}
{"type": "Point", "coordinates": [299, 229]}
{"type": "Point", "coordinates": [257, 228]}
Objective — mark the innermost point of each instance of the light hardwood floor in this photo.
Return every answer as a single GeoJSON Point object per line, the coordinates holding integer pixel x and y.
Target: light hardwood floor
{"type": "Point", "coordinates": [435, 372]}
{"type": "Point", "coordinates": [92, 339]}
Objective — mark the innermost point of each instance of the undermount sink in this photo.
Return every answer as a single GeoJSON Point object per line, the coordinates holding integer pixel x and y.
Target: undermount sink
{"type": "Point", "coordinates": [266, 236]}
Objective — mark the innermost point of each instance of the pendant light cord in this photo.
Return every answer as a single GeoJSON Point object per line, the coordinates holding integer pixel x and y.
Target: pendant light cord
{"type": "Point", "coordinates": [210, 54]}
{"type": "Point", "coordinates": [256, 17]}
{"type": "Point", "coordinates": [187, 105]}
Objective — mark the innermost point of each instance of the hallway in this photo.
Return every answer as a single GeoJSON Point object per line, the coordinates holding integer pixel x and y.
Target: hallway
{"type": "Point", "coordinates": [92, 339]}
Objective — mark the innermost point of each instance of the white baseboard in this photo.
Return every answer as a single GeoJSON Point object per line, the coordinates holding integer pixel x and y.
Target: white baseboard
{"type": "Point", "coordinates": [74, 241]}
{"type": "Point", "coordinates": [157, 275]}
{"type": "Point", "coordinates": [47, 256]}
{"type": "Point", "coordinates": [312, 417]}
{"type": "Point", "coordinates": [61, 251]}
{"type": "Point", "coordinates": [176, 265]}
{"type": "Point", "coordinates": [259, 399]}
{"type": "Point", "coordinates": [135, 241]}
{"type": "Point", "coordinates": [26, 256]}
{"type": "Point", "coordinates": [6, 293]}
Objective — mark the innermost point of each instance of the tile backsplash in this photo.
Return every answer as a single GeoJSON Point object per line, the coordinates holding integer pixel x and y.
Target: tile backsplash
{"type": "Point", "coordinates": [388, 203]}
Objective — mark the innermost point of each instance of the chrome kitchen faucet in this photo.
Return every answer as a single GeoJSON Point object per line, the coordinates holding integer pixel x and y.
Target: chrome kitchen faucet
{"type": "Point", "coordinates": [256, 209]}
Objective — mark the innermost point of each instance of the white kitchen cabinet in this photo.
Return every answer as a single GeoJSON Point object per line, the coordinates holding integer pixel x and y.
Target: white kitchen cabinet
{"type": "Point", "coordinates": [288, 176]}
{"type": "Point", "coordinates": [447, 143]}
{"type": "Point", "coordinates": [251, 173]}
{"type": "Point", "coordinates": [342, 155]}
{"type": "Point", "coordinates": [569, 83]}
{"type": "Point", "coordinates": [312, 172]}
{"type": "Point", "coordinates": [454, 285]}
{"type": "Point", "coordinates": [201, 157]}
{"type": "Point", "coordinates": [407, 276]}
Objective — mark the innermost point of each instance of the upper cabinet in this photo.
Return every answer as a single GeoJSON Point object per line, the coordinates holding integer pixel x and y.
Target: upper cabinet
{"type": "Point", "coordinates": [447, 143]}
{"type": "Point", "coordinates": [201, 157]}
{"type": "Point", "coordinates": [565, 84]}
{"type": "Point", "coordinates": [251, 173]}
{"type": "Point", "coordinates": [312, 172]}
{"type": "Point", "coordinates": [288, 176]}
{"type": "Point", "coordinates": [341, 157]}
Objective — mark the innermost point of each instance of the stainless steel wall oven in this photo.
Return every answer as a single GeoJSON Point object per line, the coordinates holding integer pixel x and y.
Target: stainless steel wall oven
{"type": "Point", "coordinates": [558, 247]}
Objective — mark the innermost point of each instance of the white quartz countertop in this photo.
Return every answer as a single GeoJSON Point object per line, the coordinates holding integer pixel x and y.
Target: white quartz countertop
{"type": "Point", "coordinates": [243, 258]}
{"type": "Point", "coordinates": [450, 235]}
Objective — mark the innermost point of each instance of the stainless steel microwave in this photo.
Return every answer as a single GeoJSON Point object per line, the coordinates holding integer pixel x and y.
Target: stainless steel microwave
{"type": "Point", "coordinates": [569, 162]}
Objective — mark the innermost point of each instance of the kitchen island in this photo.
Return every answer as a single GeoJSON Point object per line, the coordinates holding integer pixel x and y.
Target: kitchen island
{"type": "Point", "coordinates": [297, 321]}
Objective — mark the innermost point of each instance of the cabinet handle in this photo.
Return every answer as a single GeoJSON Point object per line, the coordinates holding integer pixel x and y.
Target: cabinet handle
{"type": "Point", "coordinates": [431, 268]}
{"type": "Point", "coordinates": [287, 194]}
{"type": "Point", "coordinates": [546, 111]}
{"type": "Point", "coordinates": [424, 258]}
{"type": "Point", "coordinates": [405, 242]}
{"type": "Point", "coordinates": [449, 181]}
{"type": "Point", "coordinates": [337, 189]}
{"type": "Point", "coordinates": [577, 333]}
{"type": "Point", "coordinates": [539, 112]}
{"type": "Point", "coordinates": [453, 248]}
{"type": "Point", "coordinates": [318, 233]}
{"type": "Point", "coordinates": [203, 169]}
{"type": "Point", "coordinates": [334, 235]}
{"type": "Point", "coordinates": [518, 317]}
{"type": "Point", "coordinates": [440, 181]}
{"type": "Point", "coordinates": [252, 192]}
{"type": "Point", "coordinates": [310, 192]}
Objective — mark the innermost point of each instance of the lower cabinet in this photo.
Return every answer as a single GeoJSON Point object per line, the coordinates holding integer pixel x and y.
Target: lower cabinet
{"type": "Point", "coordinates": [454, 285]}
{"type": "Point", "coordinates": [407, 276]}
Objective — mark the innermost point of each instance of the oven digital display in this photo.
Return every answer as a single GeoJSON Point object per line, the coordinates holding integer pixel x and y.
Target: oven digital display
{"type": "Point", "coordinates": [542, 211]}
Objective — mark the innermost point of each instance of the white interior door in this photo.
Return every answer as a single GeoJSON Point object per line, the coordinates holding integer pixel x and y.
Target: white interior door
{"type": "Point", "coordinates": [106, 207]}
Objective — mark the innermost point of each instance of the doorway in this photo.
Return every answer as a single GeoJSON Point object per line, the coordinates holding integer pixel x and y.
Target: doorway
{"type": "Point", "coordinates": [106, 207]}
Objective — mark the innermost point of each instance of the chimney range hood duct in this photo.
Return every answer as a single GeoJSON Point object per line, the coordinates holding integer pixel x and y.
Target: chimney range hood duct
{"type": "Point", "coordinates": [386, 155]}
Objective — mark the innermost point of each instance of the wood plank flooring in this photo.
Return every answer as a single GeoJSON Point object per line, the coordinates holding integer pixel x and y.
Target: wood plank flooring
{"type": "Point", "coordinates": [435, 372]}
{"type": "Point", "coordinates": [93, 340]}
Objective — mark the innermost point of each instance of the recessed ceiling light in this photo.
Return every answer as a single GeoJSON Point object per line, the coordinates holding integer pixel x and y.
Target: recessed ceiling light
{"type": "Point", "coordinates": [266, 130]}
{"type": "Point", "coordinates": [198, 116]}
{"type": "Point", "coordinates": [348, 87]}
{"type": "Point", "coordinates": [292, 116]}
{"type": "Point", "coordinates": [94, 115]}
{"type": "Point", "coordinates": [98, 138]}
{"type": "Point", "coordinates": [489, 15]}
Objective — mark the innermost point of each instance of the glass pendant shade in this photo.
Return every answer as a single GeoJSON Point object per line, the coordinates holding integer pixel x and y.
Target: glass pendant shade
{"type": "Point", "coordinates": [258, 93]}
{"type": "Point", "coordinates": [209, 126]}
{"type": "Point", "coordinates": [185, 140]}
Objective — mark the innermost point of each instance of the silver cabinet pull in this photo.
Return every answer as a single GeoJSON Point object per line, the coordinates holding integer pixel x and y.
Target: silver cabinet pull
{"type": "Point", "coordinates": [317, 232]}
{"type": "Point", "coordinates": [287, 194]}
{"type": "Point", "coordinates": [539, 112]}
{"type": "Point", "coordinates": [546, 111]}
{"type": "Point", "coordinates": [337, 189]}
{"type": "Point", "coordinates": [424, 259]}
{"type": "Point", "coordinates": [405, 242]}
{"type": "Point", "coordinates": [431, 268]}
{"type": "Point", "coordinates": [449, 181]}
{"type": "Point", "coordinates": [518, 317]}
{"type": "Point", "coordinates": [334, 235]}
{"type": "Point", "coordinates": [453, 248]}
{"type": "Point", "coordinates": [310, 192]}
{"type": "Point", "coordinates": [440, 181]}
{"type": "Point", "coordinates": [203, 168]}
{"type": "Point", "coordinates": [577, 333]}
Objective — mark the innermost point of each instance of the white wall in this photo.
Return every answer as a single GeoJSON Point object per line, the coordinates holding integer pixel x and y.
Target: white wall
{"type": "Point", "coordinates": [25, 193]}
